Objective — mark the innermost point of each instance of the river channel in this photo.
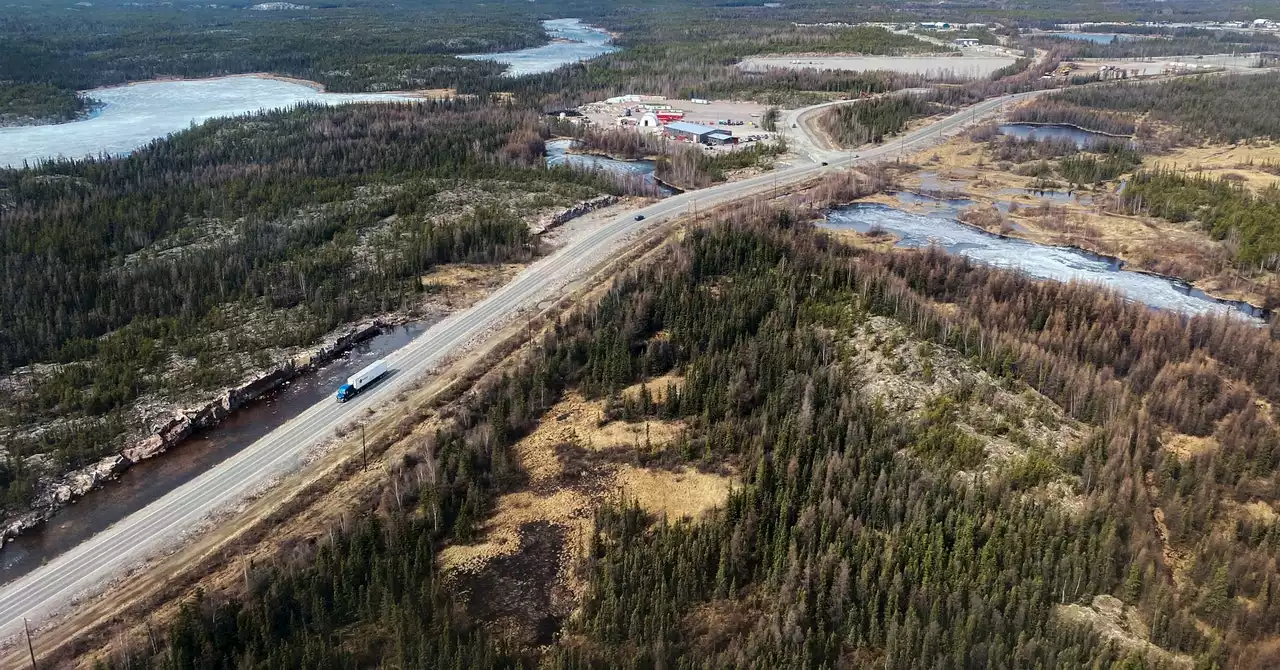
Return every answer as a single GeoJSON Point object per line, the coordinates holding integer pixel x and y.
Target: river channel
{"type": "Point", "coordinates": [151, 479]}
{"type": "Point", "coordinates": [559, 153]}
{"type": "Point", "coordinates": [940, 227]}
{"type": "Point", "coordinates": [571, 41]}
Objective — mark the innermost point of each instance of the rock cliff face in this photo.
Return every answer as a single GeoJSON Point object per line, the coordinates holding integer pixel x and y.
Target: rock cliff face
{"type": "Point", "coordinates": [553, 220]}
{"type": "Point", "coordinates": [176, 426]}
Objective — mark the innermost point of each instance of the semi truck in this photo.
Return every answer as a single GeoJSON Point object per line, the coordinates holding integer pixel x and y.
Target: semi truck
{"type": "Point", "coordinates": [362, 380]}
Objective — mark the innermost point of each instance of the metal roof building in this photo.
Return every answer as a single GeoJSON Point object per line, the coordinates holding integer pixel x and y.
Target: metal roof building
{"type": "Point", "coordinates": [698, 133]}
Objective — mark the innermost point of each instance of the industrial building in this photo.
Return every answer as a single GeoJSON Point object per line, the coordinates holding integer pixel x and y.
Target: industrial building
{"type": "Point", "coordinates": [692, 132]}
{"type": "Point", "coordinates": [658, 118]}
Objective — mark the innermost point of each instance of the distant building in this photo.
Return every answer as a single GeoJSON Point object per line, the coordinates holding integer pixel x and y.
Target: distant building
{"type": "Point", "coordinates": [623, 99]}
{"type": "Point", "coordinates": [965, 42]}
{"type": "Point", "coordinates": [692, 132]}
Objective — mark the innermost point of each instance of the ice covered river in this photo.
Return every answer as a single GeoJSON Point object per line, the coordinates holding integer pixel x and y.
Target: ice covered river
{"type": "Point", "coordinates": [559, 153]}
{"type": "Point", "coordinates": [1037, 260]}
{"type": "Point", "coordinates": [571, 41]}
{"type": "Point", "coordinates": [133, 115]}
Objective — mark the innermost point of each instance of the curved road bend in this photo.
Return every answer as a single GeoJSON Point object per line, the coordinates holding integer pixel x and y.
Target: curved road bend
{"type": "Point", "coordinates": [87, 568]}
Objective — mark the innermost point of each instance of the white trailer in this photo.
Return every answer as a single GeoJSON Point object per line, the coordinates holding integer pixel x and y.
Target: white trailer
{"type": "Point", "coordinates": [362, 379]}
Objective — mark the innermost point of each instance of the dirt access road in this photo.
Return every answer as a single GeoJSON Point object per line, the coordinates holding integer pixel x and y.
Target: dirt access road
{"type": "Point", "coordinates": [86, 570]}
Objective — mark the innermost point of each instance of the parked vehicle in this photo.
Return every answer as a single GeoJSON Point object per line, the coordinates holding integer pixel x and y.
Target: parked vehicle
{"type": "Point", "coordinates": [362, 380]}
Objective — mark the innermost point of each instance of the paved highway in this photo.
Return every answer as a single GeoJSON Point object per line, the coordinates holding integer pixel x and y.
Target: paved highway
{"type": "Point", "coordinates": [89, 566]}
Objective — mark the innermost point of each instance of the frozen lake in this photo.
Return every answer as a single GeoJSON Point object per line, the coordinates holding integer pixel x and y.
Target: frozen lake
{"type": "Point", "coordinates": [133, 115]}
{"type": "Point", "coordinates": [572, 41]}
{"type": "Point", "coordinates": [1039, 261]}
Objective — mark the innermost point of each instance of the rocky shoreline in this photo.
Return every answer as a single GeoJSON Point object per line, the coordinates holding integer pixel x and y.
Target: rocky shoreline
{"type": "Point", "coordinates": [1259, 311]}
{"type": "Point", "coordinates": [582, 208]}
{"type": "Point", "coordinates": [177, 425]}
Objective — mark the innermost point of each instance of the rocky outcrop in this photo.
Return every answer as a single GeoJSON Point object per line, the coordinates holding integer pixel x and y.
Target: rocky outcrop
{"type": "Point", "coordinates": [176, 426]}
{"type": "Point", "coordinates": [586, 206]}
{"type": "Point", "coordinates": [176, 430]}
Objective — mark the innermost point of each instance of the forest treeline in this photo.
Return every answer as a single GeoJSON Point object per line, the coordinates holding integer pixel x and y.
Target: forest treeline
{"type": "Point", "coordinates": [1167, 43]}
{"type": "Point", "coordinates": [689, 53]}
{"type": "Point", "coordinates": [1221, 108]}
{"type": "Point", "coordinates": [240, 236]}
{"type": "Point", "coordinates": [1248, 221]}
{"type": "Point", "coordinates": [847, 544]}
{"type": "Point", "coordinates": [675, 49]}
{"type": "Point", "coordinates": [22, 104]}
{"type": "Point", "coordinates": [1054, 111]}
{"type": "Point", "coordinates": [1097, 162]}
{"type": "Point", "coordinates": [863, 121]}
{"type": "Point", "coordinates": [368, 46]}
{"type": "Point", "coordinates": [858, 123]}
{"type": "Point", "coordinates": [685, 166]}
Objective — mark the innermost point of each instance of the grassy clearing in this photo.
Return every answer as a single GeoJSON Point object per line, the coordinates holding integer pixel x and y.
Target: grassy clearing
{"type": "Point", "coordinates": [575, 460]}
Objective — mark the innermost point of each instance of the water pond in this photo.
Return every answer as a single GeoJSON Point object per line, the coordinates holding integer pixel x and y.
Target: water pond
{"type": "Point", "coordinates": [1096, 38]}
{"type": "Point", "coordinates": [1045, 132]}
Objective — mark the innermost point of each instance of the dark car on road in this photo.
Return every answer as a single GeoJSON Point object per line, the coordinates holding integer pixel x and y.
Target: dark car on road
{"type": "Point", "coordinates": [639, 217]}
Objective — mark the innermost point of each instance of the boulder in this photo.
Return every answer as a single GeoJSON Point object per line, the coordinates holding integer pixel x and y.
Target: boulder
{"type": "Point", "coordinates": [171, 433]}
{"type": "Point", "coordinates": [553, 220]}
{"type": "Point", "coordinates": [23, 523]}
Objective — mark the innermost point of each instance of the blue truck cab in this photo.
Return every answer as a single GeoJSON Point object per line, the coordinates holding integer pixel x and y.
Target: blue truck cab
{"type": "Point", "coordinates": [362, 380]}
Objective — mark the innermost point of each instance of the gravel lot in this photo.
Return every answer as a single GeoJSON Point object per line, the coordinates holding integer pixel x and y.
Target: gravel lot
{"type": "Point", "coordinates": [981, 64]}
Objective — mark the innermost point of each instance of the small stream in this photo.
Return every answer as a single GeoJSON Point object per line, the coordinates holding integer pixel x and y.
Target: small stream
{"type": "Point", "coordinates": [151, 479]}
{"type": "Point", "coordinates": [1036, 260]}
{"type": "Point", "coordinates": [558, 153]}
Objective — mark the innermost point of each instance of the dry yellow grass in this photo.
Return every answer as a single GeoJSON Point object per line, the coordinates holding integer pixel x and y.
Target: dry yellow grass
{"type": "Point", "coordinates": [1258, 511]}
{"type": "Point", "coordinates": [684, 494]}
{"type": "Point", "coordinates": [658, 385]}
{"type": "Point", "coordinates": [1118, 623]}
{"type": "Point", "coordinates": [1240, 160]}
{"type": "Point", "coordinates": [462, 285]}
{"type": "Point", "coordinates": [1146, 243]}
{"type": "Point", "coordinates": [1186, 447]}
{"type": "Point", "coordinates": [568, 477]}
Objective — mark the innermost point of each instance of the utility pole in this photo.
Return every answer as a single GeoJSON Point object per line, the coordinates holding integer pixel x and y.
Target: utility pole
{"type": "Point", "coordinates": [30, 649]}
{"type": "Point", "coordinates": [364, 449]}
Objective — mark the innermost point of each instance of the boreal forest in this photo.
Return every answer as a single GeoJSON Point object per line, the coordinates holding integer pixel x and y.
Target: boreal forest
{"type": "Point", "coordinates": [222, 244]}
{"type": "Point", "coordinates": [858, 535]}
{"type": "Point", "coordinates": [659, 398]}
